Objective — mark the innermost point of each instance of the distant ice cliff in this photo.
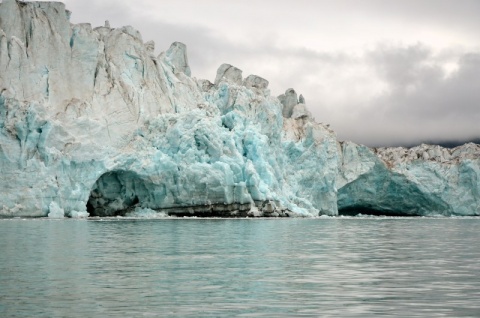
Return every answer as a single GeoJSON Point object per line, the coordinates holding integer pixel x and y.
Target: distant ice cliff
{"type": "Point", "coordinates": [93, 122]}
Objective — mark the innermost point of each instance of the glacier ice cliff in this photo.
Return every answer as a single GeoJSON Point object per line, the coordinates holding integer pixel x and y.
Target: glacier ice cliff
{"type": "Point", "coordinates": [92, 121]}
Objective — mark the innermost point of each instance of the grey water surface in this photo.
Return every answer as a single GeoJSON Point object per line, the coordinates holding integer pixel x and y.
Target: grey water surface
{"type": "Point", "coordinates": [325, 267]}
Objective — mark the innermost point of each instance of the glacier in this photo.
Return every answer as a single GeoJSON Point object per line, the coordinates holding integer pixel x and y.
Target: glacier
{"type": "Point", "coordinates": [94, 122]}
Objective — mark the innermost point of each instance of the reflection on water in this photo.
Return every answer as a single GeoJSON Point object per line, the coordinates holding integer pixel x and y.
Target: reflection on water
{"type": "Point", "coordinates": [339, 267]}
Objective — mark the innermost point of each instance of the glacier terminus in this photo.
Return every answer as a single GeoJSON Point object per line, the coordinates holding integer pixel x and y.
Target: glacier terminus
{"type": "Point", "coordinates": [94, 122]}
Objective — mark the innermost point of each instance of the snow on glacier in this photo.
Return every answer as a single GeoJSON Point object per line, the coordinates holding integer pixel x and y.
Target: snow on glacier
{"type": "Point", "coordinates": [92, 121]}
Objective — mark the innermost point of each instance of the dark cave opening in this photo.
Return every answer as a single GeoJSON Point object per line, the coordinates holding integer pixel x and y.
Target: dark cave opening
{"type": "Point", "coordinates": [363, 210]}
{"type": "Point", "coordinates": [115, 193]}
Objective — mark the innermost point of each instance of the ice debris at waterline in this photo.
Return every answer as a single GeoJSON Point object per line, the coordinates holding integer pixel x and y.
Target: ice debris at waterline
{"type": "Point", "coordinates": [92, 121]}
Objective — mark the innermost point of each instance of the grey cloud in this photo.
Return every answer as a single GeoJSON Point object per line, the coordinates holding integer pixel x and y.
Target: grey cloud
{"type": "Point", "coordinates": [419, 87]}
{"type": "Point", "coordinates": [400, 67]}
{"type": "Point", "coordinates": [422, 104]}
{"type": "Point", "coordinates": [462, 15]}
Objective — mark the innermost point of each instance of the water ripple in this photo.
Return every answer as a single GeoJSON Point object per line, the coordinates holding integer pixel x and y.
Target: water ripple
{"type": "Point", "coordinates": [329, 267]}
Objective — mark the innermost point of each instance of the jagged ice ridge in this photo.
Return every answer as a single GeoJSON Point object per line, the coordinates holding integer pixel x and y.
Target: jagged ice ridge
{"type": "Point", "coordinates": [93, 122]}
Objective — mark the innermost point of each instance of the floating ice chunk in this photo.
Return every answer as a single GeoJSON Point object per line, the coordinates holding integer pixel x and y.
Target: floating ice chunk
{"type": "Point", "coordinates": [140, 212]}
{"type": "Point", "coordinates": [55, 211]}
{"type": "Point", "coordinates": [255, 212]}
{"type": "Point", "coordinates": [79, 215]}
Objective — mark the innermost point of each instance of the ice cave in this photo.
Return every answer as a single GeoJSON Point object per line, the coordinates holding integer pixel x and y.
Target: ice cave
{"type": "Point", "coordinates": [116, 192]}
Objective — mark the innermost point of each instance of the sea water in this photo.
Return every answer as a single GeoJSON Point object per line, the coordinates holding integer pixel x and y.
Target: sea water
{"type": "Point", "coordinates": [328, 267]}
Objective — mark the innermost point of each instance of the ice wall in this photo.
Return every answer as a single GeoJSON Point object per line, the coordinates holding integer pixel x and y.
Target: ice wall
{"type": "Point", "coordinates": [424, 180]}
{"type": "Point", "coordinates": [92, 119]}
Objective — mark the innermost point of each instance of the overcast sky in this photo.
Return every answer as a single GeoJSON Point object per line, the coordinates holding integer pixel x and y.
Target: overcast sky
{"type": "Point", "coordinates": [379, 72]}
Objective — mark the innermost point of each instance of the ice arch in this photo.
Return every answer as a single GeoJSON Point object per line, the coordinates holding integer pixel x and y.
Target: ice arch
{"type": "Point", "coordinates": [116, 192]}
{"type": "Point", "coordinates": [382, 192]}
